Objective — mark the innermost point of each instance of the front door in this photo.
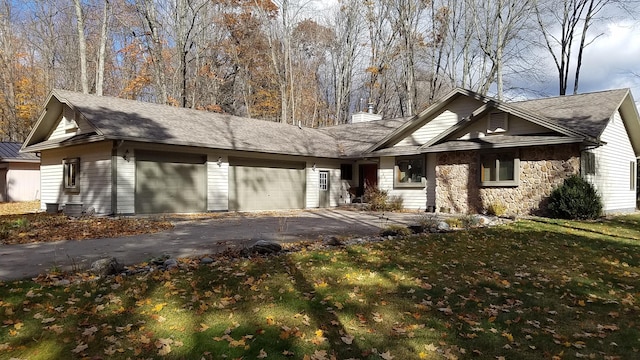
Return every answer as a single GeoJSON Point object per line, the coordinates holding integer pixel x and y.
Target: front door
{"type": "Point", "coordinates": [368, 177]}
{"type": "Point", "coordinates": [324, 189]}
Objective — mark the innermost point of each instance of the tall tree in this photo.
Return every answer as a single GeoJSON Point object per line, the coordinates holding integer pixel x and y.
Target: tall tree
{"type": "Point", "coordinates": [82, 46]}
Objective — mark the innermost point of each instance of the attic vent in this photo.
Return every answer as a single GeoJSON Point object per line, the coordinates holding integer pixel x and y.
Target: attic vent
{"type": "Point", "coordinates": [70, 124]}
{"type": "Point", "coordinates": [497, 122]}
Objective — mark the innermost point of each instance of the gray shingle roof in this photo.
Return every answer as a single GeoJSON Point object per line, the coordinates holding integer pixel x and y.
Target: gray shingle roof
{"type": "Point", "coordinates": [10, 151]}
{"type": "Point", "coordinates": [586, 113]}
{"type": "Point", "coordinates": [116, 118]}
{"type": "Point", "coordinates": [355, 139]}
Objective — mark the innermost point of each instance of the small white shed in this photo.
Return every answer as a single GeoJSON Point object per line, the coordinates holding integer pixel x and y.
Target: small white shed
{"type": "Point", "coordinates": [19, 174]}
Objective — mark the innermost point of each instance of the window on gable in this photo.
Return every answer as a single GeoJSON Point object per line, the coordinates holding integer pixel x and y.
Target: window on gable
{"type": "Point", "coordinates": [71, 176]}
{"type": "Point", "coordinates": [588, 163]}
{"type": "Point", "coordinates": [409, 171]}
{"type": "Point", "coordinates": [499, 169]}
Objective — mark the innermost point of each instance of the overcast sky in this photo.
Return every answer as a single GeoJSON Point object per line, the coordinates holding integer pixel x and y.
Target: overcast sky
{"type": "Point", "coordinates": [612, 61]}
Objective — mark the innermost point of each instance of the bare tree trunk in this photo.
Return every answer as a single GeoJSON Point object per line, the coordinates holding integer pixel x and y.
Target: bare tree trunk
{"type": "Point", "coordinates": [102, 49]}
{"type": "Point", "coordinates": [155, 48]}
{"type": "Point", "coordinates": [82, 47]}
{"type": "Point", "coordinates": [594, 8]}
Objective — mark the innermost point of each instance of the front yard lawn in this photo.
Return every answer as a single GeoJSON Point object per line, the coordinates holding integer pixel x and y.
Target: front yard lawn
{"type": "Point", "coordinates": [529, 290]}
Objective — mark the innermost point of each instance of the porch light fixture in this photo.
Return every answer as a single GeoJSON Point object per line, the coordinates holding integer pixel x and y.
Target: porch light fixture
{"type": "Point", "coordinates": [314, 167]}
{"type": "Point", "coordinates": [219, 160]}
{"type": "Point", "coordinates": [125, 156]}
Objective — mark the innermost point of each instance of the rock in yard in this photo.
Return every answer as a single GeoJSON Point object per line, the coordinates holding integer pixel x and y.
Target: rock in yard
{"type": "Point", "coordinates": [170, 264]}
{"type": "Point", "coordinates": [333, 241]}
{"type": "Point", "coordinates": [265, 247]}
{"type": "Point", "coordinates": [416, 229]}
{"type": "Point", "coordinates": [206, 260]}
{"type": "Point", "coordinates": [106, 266]}
{"type": "Point", "coordinates": [442, 226]}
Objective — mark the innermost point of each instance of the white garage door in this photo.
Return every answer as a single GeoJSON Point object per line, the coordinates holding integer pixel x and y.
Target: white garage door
{"type": "Point", "coordinates": [266, 185]}
{"type": "Point", "coordinates": [170, 183]}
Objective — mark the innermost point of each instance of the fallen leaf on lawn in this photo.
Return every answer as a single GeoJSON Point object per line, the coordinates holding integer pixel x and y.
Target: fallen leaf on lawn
{"type": "Point", "coordinates": [347, 339]}
{"type": "Point", "coordinates": [89, 331]}
{"type": "Point", "coordinates": [164, 346]}
{"type": "Point", "coordinates": [508, 336]}
{"type": "Point", "coordinates": [386, 355]}
{"type": "Point", "coordinates": [80, 348]}
{"type": "Point", "coordinates": [377, 317]}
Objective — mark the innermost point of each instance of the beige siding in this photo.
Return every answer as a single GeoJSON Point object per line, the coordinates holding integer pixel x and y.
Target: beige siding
{"type": "Point", "coordinates": [612, 168]}
{"type": "Point", "coordinates": [22, 182]}
{"type": "Point", "coordinates": [460, 108]}
{"type": "Point", "coordinates": [336, 186]}
{"type": "Point", "coordinates": [313, 183]}
{"type": "Point", "coordinates": [95, 176]}
{"type": "Point", "coordinates": [126, 180]}
{"type": "Point", "coordinates": [69, 124]}
{"type": "Point", "coordinates": [411, 198]}
{"type": "Point", "coordinates": [515, 126]}
{"type": "Point", "coordinates": [217, 184]}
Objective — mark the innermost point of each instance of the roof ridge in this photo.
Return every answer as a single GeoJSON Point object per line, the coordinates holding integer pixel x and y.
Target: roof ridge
{"type": "Point", "coordinates": [569, 96]}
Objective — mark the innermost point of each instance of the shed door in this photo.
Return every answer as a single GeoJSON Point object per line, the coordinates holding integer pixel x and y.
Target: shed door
{"type": "Point", "coordinates": [266, 185]}
{"type": "Point", "coordinates": [170, 183]}
{"type": "Point", "coordinates": [324, 195]}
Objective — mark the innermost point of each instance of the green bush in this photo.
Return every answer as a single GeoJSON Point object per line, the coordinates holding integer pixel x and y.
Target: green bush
{"type": "Point", "coordinates": [379, 200]}
{"type": "Point", "coordinates": [575, 199]}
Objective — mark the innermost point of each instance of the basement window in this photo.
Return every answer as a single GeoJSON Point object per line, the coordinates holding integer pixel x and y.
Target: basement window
{"type": "Point", "coordinates": [71, 176]}
{"type": "Point", "coordinates": [499, 169]}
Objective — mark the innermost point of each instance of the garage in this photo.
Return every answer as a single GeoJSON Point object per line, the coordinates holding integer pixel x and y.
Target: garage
{"type": "Point", "coordinates": [170, 183]}
{"type": "Point", "coordinates": [256, 184]}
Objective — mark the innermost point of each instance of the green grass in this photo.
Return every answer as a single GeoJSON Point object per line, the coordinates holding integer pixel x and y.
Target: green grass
{"type": "Point", "coordinates": [538, 289]}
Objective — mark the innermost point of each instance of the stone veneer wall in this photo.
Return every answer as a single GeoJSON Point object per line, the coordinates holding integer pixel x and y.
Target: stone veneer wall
{"type": "Point", "coordinates": [542, 168]}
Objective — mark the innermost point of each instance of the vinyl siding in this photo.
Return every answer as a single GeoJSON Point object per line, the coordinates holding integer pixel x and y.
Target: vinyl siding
{"type": "Point", "coordinates": [61, 130]}
{"type": "Point", "coordinates": [95, 177]}
{"type": "Point", "coordinates": [411, 198]}
{"type": "Point", "coordinates": [515, 126]}
{"type": "Point", "coordinates": [313, 184]}
{"type": "Point", "coordinates": [336, 186]}
{"type": "Point", "coordinates": [126, 180]}
{"type": "Point", "coordinates": [217, 184]}
{"type": "Point", "coordinates": [612, 168]}
{"type": "Point", "coordinates": [457, 110]}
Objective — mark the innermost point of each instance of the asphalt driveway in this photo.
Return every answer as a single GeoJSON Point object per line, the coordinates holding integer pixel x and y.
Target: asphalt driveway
{"type": "Point", "coordinates": [194, 238]}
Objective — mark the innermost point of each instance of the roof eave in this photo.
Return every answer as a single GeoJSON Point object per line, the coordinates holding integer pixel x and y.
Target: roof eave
{"type": "Point", "coordinates": [472, 145]}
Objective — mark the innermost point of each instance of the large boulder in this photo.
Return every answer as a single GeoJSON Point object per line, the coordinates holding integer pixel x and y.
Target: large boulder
{"type": "Point", "coordinates": [264, 247]}
{"type": "Point", "coordinates": [106, 266]}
